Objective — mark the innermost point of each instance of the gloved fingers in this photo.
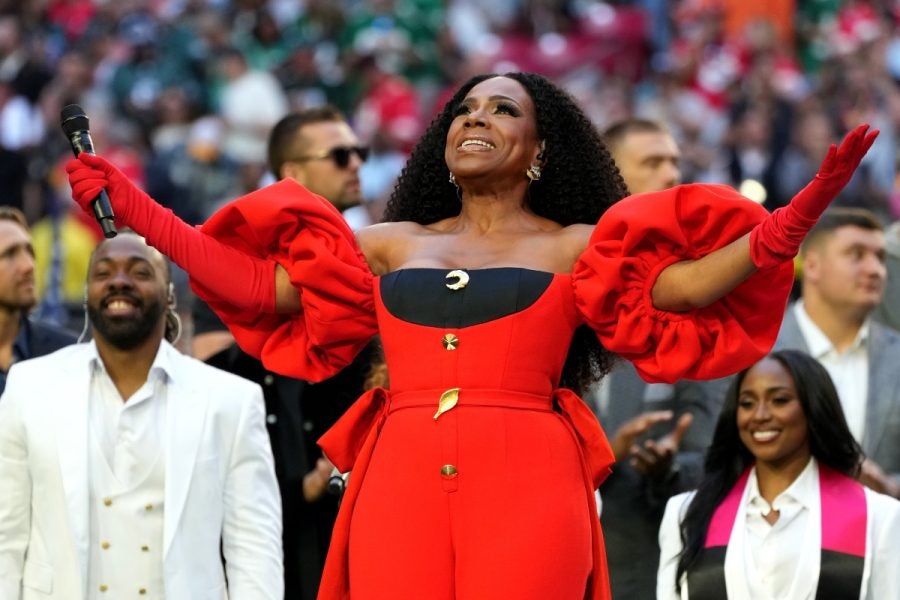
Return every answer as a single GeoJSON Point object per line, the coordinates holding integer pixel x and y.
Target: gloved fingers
{"type": "Point", "coordinates": [79, 172]}
{"type": "Point", "coordinates": [841, 160]}
{"type": "Point", "coordinates": [84, 192]}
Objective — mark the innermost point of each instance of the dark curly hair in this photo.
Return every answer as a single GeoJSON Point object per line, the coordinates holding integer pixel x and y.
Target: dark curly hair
{"type": "Point", "coordinates": [579, 181]}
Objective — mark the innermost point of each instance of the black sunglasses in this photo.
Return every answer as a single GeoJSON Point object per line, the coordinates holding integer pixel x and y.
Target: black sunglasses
{"type": "Point", "coordinates": [340, 155]}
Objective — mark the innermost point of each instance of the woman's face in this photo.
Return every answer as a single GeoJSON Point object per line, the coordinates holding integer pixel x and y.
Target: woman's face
{"type": "Point", "coordinates": [770, 418]}
{"type": "Point", "coordinates": [494, 132]}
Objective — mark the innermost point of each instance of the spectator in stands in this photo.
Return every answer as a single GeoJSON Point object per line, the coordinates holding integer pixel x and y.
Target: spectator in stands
{"type": "Point", "coordinates": [20, 337]}
{"type": "Point", "coordinates": [843, 281]}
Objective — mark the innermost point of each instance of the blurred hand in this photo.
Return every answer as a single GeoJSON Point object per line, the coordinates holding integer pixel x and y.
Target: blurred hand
{"type": "Point", "coordinates": [624, 437]}
{"type": "Point", "coordinates": [873, 477]}
{"type": "Point", "coordinates": [315, 483]}
{"type": "Point", "coordinates": [654, 458]}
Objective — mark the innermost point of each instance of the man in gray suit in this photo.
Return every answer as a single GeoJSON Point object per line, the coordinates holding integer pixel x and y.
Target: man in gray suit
{"type": "Point", "coordinates": [658, 432]}
{"type": "Point", "coordinates": [844, 274]}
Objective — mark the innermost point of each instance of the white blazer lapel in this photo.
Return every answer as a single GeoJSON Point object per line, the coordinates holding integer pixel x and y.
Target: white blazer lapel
{"type": "Point", "coordinates": [72, 430]}
{"type": "Point", "coordinates": [735, 561]}
{"type": "Point", "coordinates": [185, 419]}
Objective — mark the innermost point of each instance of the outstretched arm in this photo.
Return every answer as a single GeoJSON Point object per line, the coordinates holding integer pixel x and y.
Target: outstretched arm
{"type": "Point", "coordinates": [246, 281]}
{"type": "Point", "coordinates": [694, 284]}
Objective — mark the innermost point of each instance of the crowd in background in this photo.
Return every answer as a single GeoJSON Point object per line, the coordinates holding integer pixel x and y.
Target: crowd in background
{"type": "Point", "coordinates": [182, 93]}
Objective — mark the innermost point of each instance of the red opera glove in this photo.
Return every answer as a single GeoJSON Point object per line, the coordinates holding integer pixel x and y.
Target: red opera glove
{"type": "Point", "coordinates": [246, 281]}
{"type": "Point", "coordinates": [779, 236]}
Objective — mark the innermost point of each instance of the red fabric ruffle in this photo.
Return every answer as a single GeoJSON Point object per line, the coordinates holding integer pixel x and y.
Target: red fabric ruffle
{"type": "Point", "coordinates": [306, 235]}
{"type": "Point", "coordinates": [640, 236]}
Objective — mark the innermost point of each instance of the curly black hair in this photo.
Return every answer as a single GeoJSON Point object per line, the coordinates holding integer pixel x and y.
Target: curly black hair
{"type": "Point", "coordinates": [579, 181]}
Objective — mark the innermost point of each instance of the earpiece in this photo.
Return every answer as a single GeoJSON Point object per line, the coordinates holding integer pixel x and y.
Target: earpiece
{"type": "Point", "coordinates": [540, 155]}
{"type": "Point", "coordinates": [172, 300]}
{"type": "Point", "coordinates": [84, 328]}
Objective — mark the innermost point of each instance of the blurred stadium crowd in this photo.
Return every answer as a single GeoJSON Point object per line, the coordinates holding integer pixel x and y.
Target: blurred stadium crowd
{"type": "Point", "coordinates": [182, 93]}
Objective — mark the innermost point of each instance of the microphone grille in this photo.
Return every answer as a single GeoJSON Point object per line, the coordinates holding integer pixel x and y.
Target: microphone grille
{"type": "Point", "coordinates": [72, 119]}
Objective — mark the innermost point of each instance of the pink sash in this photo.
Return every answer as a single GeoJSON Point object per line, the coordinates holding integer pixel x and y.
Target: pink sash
{"type": "Point", "coordinates": [844, 514]}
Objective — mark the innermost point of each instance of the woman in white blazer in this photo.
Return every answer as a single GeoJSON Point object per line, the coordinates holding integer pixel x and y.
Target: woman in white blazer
{"type": "Point", "coordinates": [779, 514]}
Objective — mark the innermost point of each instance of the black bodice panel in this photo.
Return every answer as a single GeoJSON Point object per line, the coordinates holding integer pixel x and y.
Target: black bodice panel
{"type": "Point", "coordinates": [421, 296]}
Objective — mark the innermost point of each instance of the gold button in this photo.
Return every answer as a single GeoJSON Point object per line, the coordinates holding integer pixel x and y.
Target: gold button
{"type": "Point", "coordinates": [448, 470]}
{"type": "Point", "coordinates": [105, 545]}
{"type": "Point", "coordinates": [450, 341]}
{"type": "Point", "coordinates": [142, 591]}
{"type": "Point", "coordinates": [145, 548]}
{"type": "Point", "coordinates": [149, 507]}
{"type": "Point", "coordinates": [103, 587]}
{"type": "Point", "coordinates": [107, 501]}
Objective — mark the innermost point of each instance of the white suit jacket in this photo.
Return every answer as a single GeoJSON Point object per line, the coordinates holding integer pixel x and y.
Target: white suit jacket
{"type": "Point", "coordinates": [220, 483]}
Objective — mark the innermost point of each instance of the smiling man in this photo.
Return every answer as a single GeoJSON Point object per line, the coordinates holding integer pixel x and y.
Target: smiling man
{"type": "Point", "coordinates": [844, 274]}
{"type": "Point", "coordinates": [20, 337]}
{"type": "Point", "coordinates": [130, 470]}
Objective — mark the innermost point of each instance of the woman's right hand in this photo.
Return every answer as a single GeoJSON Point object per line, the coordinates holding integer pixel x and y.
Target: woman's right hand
{"type": "Point", "coordinates": [90, 174]}
{"type": "Point", "coordinates": [246, 281]}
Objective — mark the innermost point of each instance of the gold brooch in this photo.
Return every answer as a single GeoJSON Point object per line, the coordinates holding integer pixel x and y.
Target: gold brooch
{"type": "Point", "coordinates": [462, 279]}
{"type": "Point", "coordinates": [447, 401]}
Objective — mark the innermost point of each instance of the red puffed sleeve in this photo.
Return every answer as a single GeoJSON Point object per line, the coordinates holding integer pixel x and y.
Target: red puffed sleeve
{"type": "Point", "coordinates": [306, 235]}
{"type": "Point", "coordinates": [643, 234]}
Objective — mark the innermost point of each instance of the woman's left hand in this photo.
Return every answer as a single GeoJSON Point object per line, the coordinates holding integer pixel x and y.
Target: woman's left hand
{"type": "Point", "coordinates": [778, 238]}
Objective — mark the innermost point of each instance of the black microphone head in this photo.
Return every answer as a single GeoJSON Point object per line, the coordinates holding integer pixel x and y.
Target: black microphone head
{"type": "Point", "coordinates": [73, 119]}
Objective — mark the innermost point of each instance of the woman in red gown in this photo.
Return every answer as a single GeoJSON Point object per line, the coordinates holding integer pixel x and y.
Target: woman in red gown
{"type": "Point", "coordinates": [494, 290]}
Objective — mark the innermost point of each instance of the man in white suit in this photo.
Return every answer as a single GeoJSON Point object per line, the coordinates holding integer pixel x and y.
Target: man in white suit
{"type": "Point", "coordinates": [129, 470]}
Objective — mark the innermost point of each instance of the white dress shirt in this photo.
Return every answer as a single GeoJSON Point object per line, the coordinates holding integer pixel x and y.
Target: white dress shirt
{"type": "Point", "coordinates": [129, 430]}
{"type": "Point", "coordinates": [777, 550]}
{"type": "Point", "coordinates": [781, 561]}
{"type": "Point", "coordinates": [848, 369]}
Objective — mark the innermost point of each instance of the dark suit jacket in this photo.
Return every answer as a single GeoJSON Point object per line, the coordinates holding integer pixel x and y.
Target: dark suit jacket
{"type": "Point", "coordinates": [297, 413]}
{"type": "Point", "coordinates": [633, 506]}
{"type": "Point", "coordinates": [45, 339]}
{"type": "Point", "coordinates": [39, 339]}
{"type": "Point", "coordinates": [881, 440]}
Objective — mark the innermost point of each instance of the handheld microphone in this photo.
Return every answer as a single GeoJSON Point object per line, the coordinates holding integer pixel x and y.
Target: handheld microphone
{"type": "Point", "coordinates": [337, 483]}
{"type": "Point", "coordinates": [76, 127]}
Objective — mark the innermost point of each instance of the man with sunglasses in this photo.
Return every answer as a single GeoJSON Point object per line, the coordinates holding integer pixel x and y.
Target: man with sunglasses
{"type": "Point", "coordinates": [318, 149]}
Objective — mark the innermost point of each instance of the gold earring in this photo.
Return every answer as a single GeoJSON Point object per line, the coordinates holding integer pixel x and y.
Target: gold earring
{"type": "Point", "coordinates": [533, 172]}
{"type": "Point", "coordinates": [453, 179]}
